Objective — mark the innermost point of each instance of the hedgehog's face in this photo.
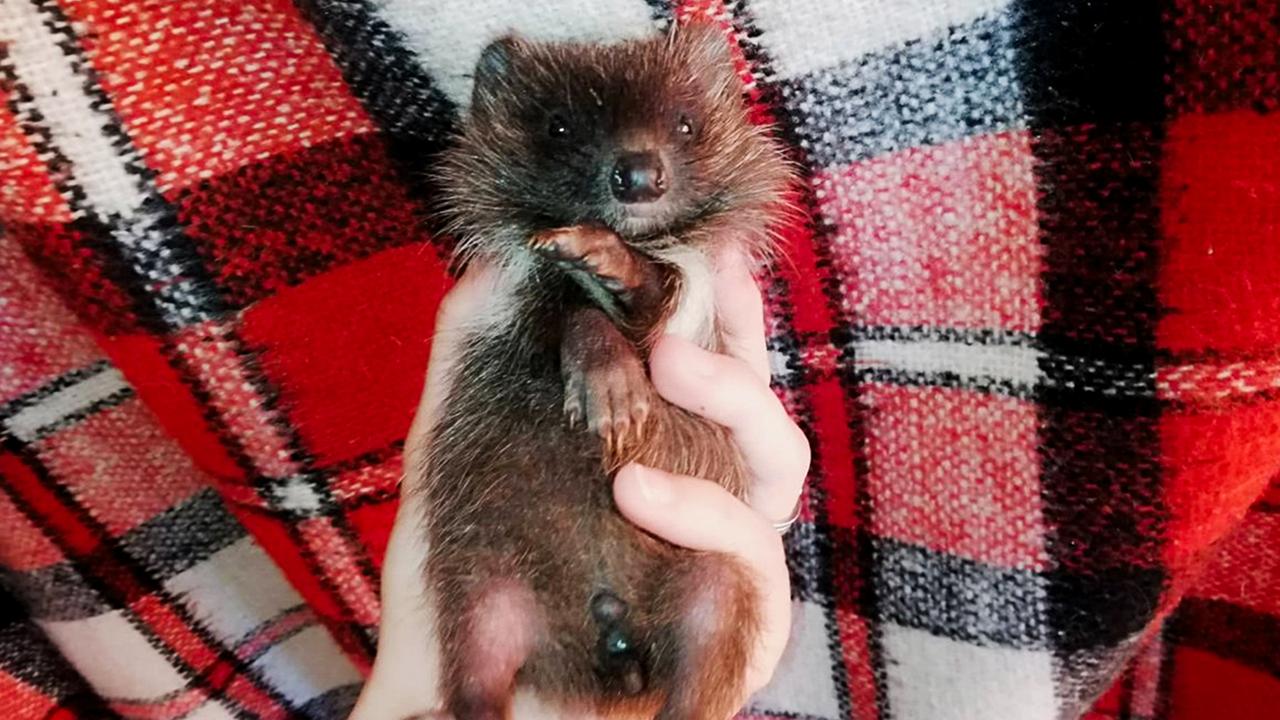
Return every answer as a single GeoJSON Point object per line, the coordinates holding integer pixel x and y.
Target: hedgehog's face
{"type": "Point", "coordinates": [642, 137]}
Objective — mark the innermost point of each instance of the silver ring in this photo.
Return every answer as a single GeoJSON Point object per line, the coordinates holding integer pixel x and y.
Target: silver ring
{"type": "Point", "coordinates": [785, 525]}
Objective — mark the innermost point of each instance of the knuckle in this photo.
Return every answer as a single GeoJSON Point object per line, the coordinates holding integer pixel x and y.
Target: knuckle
{"type": "Point", "coordinates": [739, 385]}
{"type": "Point", "coordinates": [746, 373]}
{"type": "Point", "coordinates": [722, 514]}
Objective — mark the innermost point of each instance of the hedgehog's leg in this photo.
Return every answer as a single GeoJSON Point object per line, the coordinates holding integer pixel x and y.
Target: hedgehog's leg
{"type": "Point", "coordinates": [491, 640]}
{"type": "Point", "coordinates": [605, 383]}
{"type": "Point", "coordinates": [717, 627]}
{"type": "Point", "coordinates": [640, 285]}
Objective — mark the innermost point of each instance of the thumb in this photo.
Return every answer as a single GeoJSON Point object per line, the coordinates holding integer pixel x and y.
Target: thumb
{"type": "Point", "coordinates": [701, 515]}
{"type": "Point", "coordinates": [692, 513]}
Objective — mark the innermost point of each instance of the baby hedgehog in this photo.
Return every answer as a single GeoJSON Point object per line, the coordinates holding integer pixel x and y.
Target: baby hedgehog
{"type": "Point", "coordinates": [601, 180]}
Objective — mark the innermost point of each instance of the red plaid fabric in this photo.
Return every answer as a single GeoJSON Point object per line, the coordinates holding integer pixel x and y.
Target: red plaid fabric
{"type": "Point", "coordinates": [1031, 329]}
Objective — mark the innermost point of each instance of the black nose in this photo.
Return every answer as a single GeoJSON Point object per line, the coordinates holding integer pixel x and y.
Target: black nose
{"type": "Point", "coordinates": [638, 177]}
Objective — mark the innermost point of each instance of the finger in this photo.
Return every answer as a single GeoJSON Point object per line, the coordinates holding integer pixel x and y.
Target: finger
{"type": "Point", "coordinates": [407, 649]}
{"type": "Point", "coordinates": [468, 296]}
{"type": "Point", "coordinates": [692, 513]}
{"type": "Point", "coordinates": [465, 301]}
{"type": "Point", "coordinates": [701, 515]}
{"type": "Point", "coordinates": [724, 390]}
{"type": "Point", "coordinates": [407, 646]}
{"type": "Point", "coordinates": [741, 311]}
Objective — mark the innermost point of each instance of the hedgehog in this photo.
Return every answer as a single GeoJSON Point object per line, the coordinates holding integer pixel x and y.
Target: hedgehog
{"type": "Point", "coordinates": [600, 180]}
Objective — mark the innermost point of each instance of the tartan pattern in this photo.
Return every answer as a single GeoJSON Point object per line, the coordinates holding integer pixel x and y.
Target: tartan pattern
{"type": "Point", "coordinates": [130, 589]}
{"type": "Point", "coordinates": [1030, 330]}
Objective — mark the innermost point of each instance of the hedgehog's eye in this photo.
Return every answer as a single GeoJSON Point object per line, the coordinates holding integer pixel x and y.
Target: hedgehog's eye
{"type": "Point", "coordinates": [557, 127]}
{"type": "Point", "coordinates": [685, 126]}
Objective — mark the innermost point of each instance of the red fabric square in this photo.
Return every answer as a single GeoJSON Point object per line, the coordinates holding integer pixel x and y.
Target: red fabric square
{"type": "Point", "coordinates": [1205, 687]}
{"type": "Point", "coordinates": [1220, 271]}
{"type": "Point", "coordinates": [39, 337]}
{"type": "Point", "coordinates": [1224, 55]}
{"type": "Point", "coordinates": [121, 466]}
{"type": "Point", "coordinates": [1218, 461]}
{"type": "Point", "coordinates": [272, 224]}
{"type": "Point", "coordinates": [957, 472]}
{"type": "Point", "coordinates": [206, 87]}
{"type": "Point", "coordinates": [27, 193]}
{"type": "Point", "coordinates": [348, 349]}
{"type": "Point", "coordinates": [943, 235]}
{"type": "Point", "coordinates": [1246, 567]}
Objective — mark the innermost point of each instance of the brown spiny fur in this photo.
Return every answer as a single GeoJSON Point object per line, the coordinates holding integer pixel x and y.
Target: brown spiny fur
{"type": "Point", "coordinates": [523, 534]}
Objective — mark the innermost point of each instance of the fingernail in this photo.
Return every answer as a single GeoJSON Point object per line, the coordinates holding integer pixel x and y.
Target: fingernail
{"type": "Point", "coordinates": [653, 487]}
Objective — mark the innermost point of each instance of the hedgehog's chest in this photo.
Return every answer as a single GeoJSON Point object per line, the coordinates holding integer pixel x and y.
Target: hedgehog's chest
{"type": "Point", "coordinates": [694, 315]}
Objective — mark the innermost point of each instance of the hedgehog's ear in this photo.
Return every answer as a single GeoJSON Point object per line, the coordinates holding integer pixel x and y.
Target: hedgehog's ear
{"type": "Point", "coordinates": [709, 51]}
{"type": "Point", "coordinates": [494, 66]}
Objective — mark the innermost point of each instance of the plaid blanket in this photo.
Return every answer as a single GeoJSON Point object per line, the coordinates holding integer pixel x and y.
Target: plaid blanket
{"type": "Point", "coordinates": [1032, 330]}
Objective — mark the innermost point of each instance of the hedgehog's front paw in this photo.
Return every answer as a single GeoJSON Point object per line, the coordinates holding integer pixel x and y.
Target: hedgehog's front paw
{"type": "Point", "coordinates": [611, 395]}
{"type": "Point", "coordinates": [593, 249]}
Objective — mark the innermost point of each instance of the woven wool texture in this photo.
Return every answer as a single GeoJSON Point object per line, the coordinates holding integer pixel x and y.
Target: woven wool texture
{"type": "Point", "coordinates": [1031, 327]}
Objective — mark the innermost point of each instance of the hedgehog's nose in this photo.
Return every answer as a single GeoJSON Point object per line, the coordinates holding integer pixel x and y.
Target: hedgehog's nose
{"type": "Point", "coordinates": [638, 177]}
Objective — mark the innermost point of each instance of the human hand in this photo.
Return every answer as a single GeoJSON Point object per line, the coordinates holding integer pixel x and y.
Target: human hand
{"type": "Point", "coordinates": [730, 389]}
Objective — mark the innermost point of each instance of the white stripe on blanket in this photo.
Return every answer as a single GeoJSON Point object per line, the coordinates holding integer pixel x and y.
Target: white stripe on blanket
{"type": "Point", "coordinates": [70, 115]}
{"type": "Point", "coordinates": [105, 178]}
{"type": "Point", "coordinates": [809, 35]}
{"type": "Point", "coordinates": [27, 423]}
{"type": "Point", "coordinates": [1018, 365]}
{"type": "Point", "coordinates": [935, 678]}
{"type": "Point", "coordinates": [450, 35]}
